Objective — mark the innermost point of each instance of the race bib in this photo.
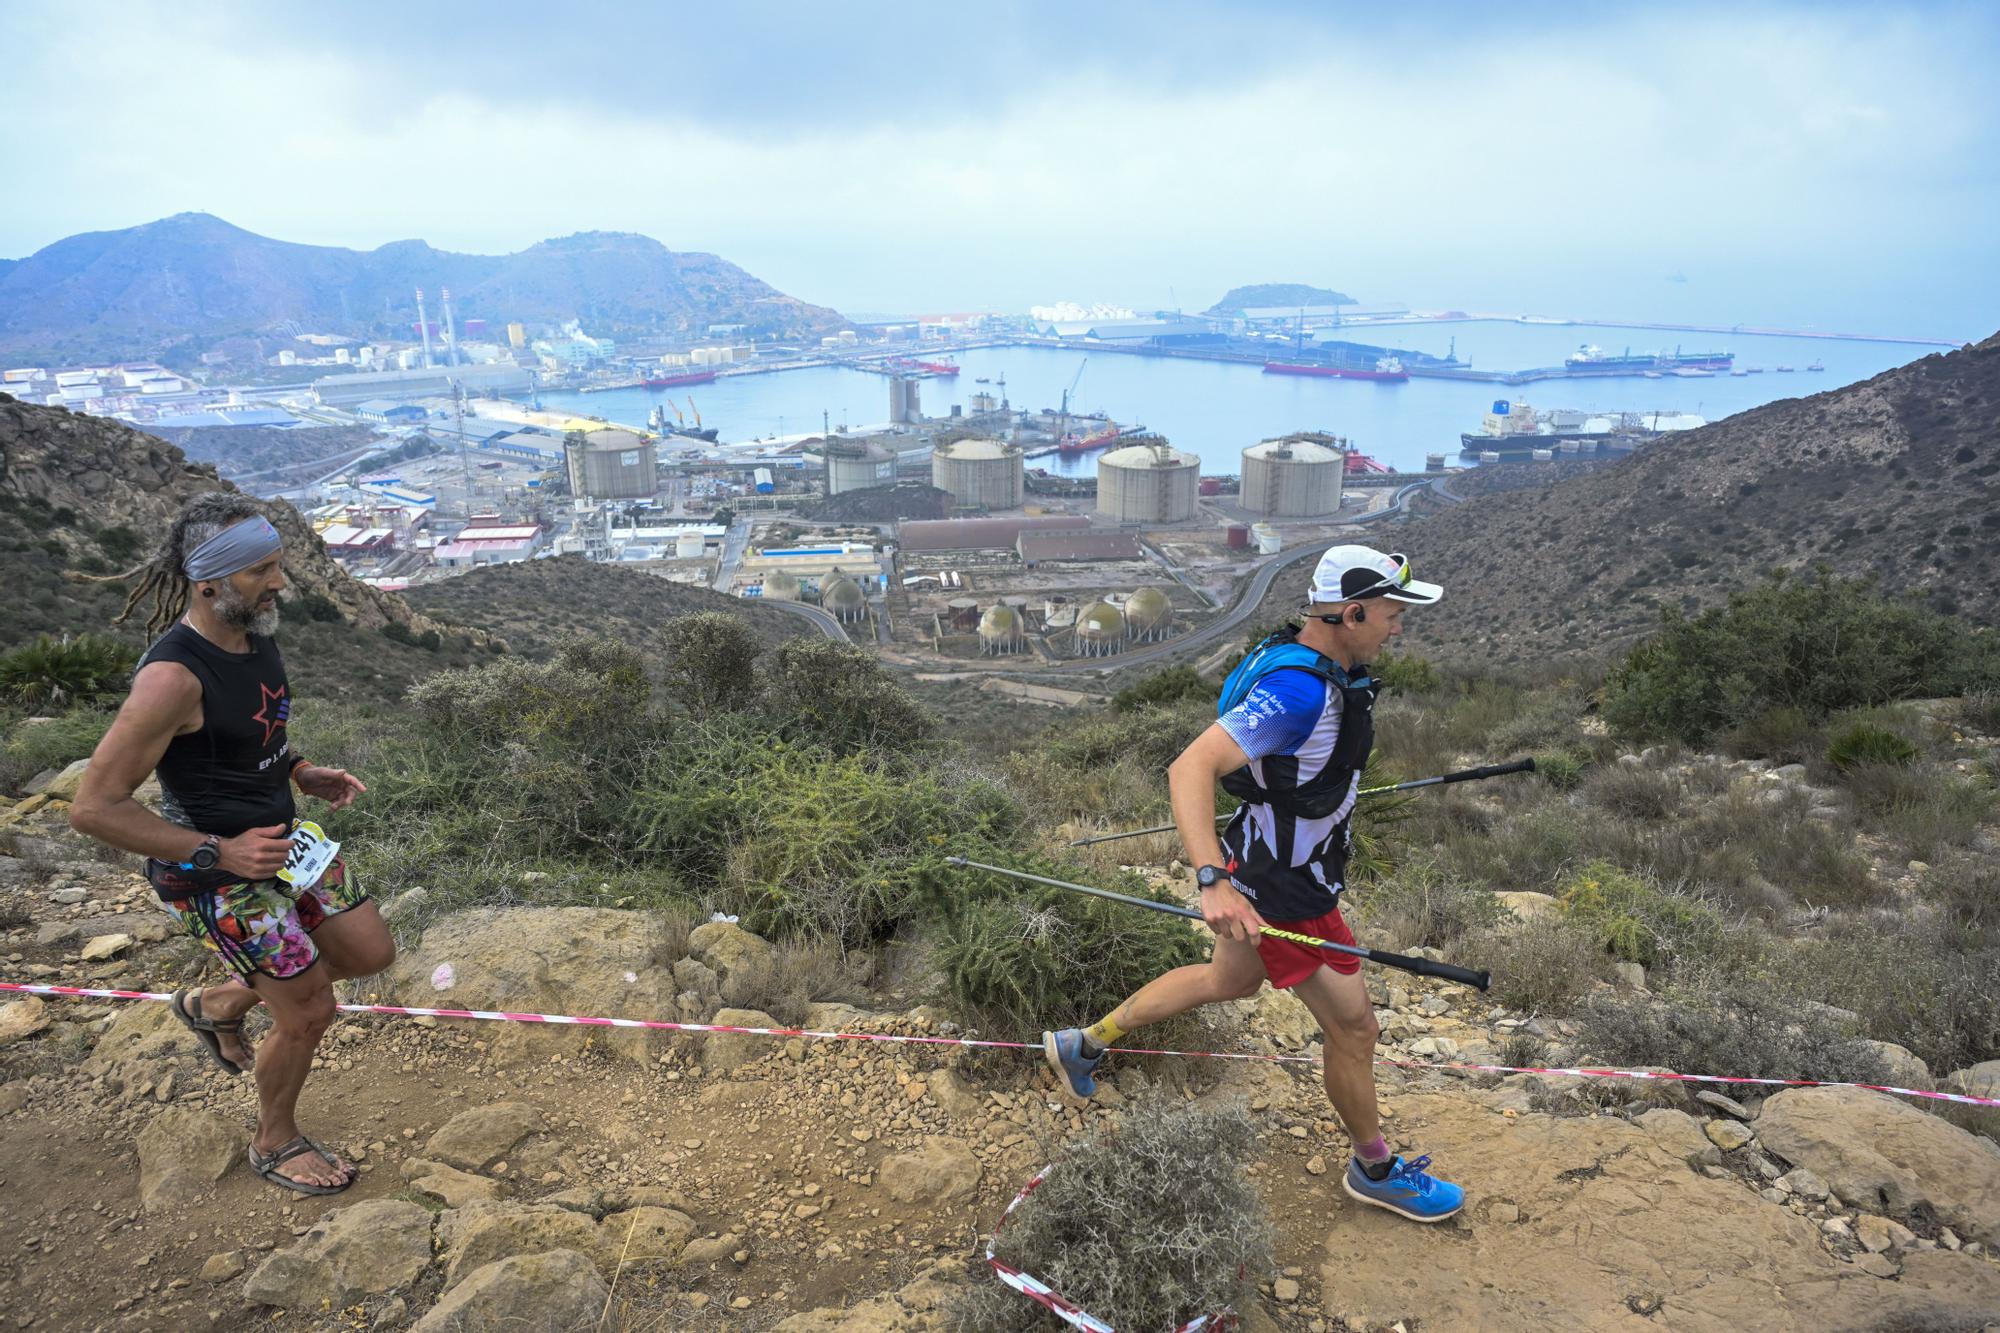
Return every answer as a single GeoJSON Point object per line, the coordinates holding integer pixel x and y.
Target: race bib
{"type": "Point", "coordinates": [312, 853]}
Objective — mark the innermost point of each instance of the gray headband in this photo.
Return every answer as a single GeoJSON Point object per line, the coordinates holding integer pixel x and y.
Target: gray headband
{"type": "Point", "coordinates": [237, 546]}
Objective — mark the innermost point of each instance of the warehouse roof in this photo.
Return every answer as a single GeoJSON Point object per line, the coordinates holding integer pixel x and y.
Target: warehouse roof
{"type": "Point", "coordinates": [972, 534]}
{"type": "Point", "coordinates": [1035, 547]}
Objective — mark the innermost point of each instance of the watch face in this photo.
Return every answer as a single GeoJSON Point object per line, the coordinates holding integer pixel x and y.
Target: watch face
{"type": "Point", "coordinates": [206, 857]}
{"type": "Point", "coordinates": [1208, 877]}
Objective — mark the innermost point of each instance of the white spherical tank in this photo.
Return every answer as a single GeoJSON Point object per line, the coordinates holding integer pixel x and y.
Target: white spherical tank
{"type": "Point", "coordinates": [1293, 478]}
{"type": "Point", "coordinates": [980, 473]}
{"type": "Point", "coordinates": [1148, 483]}
{"type": "Point", "coordinates": [1149, 614]}
{"type": "Point", "coordinates": [1100, 630]}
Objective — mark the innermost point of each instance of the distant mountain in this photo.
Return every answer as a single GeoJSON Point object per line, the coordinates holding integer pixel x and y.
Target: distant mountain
{"type": "Point", "coordinates": [1898, 477]}
{"type": "Point", "coordinates": [1238, 299]}
{"type": "Point", "coordinates": [194, 278]}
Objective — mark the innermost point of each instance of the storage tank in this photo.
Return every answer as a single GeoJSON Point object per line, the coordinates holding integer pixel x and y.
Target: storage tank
{"type": "Point", "coordinates": [1237, 536]}
{"type": "Point", "coordinates": [980, 473]}
{"type": "Point", "coordinates": [1148, 483]}
{"type": "Point", "coordinates": [1148, 614]}
{"type": "Point", "coordinates": [1001, 630]}
{"type": "Point", "coordinates": [1292, 478]}
{"type": "Point", "coordinates": [688, 545]}
{"type": "Point", "coordinates": [853, 465]}
{"type": "Point", "coordinates": [781, 586]}
{"type": "Point", "coordinates": [611, 465]}
{"type": "Point", "coordinates": [1211, 486]}
{"type": "Point", "coordinates": [1100, 630]}
{"type": "Point", "coordinates": [1433, 462]}
{"type": "Point", "coordinates": [843, 596]}
{"type": "Point", "coordinates": [1268, 540]}
{"type": "Point", "coordinates": [962, 613]}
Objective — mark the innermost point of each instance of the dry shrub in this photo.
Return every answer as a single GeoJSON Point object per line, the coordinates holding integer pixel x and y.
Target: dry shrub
{"type": "Point", "coordinates": [1924, 810]}
{"type": "Point", "coordinates": [1634, 791]}
{"type": "Point", "coordinates": [1421, 903]}
{"type": "Point", "coordinates": [1540, 966]}
{"type": "Point", "coordinates": [1145, 1225]}
{"type": "Point", "coordinates": [1743, 1027]}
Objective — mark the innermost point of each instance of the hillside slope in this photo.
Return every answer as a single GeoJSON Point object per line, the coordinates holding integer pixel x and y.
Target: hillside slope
{"type": "Point", "coordinates": [1894, 477]}
{"type": "Point", "coordinates": [1277, 293]}
{"type": "Point", "coordinates": [137, 291]}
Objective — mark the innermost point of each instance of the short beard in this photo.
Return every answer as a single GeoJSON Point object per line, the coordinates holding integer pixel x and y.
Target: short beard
{"type": "Point", "coordinates": [239, 614]}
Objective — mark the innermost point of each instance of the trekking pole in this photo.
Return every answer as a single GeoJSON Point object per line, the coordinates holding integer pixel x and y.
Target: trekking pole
{"type": "Point", "coordinates": [1423, 967]}
{"type": "Point", "coordinates": [1465, 775]}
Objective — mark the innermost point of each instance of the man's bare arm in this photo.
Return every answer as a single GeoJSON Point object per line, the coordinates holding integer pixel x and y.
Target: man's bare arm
{"type": "Point", "coordinates": [165, 698]}
{"type": "Point", "coordinates": [1191, 788]}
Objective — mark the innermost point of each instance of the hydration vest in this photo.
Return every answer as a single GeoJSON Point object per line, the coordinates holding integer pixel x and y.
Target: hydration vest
{"type": "Point", "coordinates": [1322, 794]}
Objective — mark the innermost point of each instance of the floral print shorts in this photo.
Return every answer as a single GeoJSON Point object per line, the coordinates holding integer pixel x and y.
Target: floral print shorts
{"type": "Point", "coordinates": [265, 926]}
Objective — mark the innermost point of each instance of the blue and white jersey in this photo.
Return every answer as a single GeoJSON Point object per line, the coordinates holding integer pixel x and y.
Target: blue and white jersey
{"type": "Point", "coordinates": [1289, 866]}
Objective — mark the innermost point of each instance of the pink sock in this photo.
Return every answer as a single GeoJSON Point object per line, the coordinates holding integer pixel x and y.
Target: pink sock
{"type": "Point", "coordinates": [1377, 1151]}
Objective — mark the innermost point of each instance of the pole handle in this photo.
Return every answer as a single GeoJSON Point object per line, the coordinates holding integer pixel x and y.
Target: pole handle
{"type": "Point", "coordinates": [1493, 771]}
{"type": "Point", "coordinates": [1424, 967]}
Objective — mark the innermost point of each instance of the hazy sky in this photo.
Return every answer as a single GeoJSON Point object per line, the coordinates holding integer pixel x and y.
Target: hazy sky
{"type": "Point", "coordinates": [1816, 164]}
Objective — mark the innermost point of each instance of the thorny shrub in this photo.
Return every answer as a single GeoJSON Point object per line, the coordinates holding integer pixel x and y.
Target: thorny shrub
{"type": "Point", "coordinates": [1146, 1225]}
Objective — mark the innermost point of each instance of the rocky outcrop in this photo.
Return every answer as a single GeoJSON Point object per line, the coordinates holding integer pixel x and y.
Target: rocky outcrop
{"type": "Point", "coordinates": [365, 1249]}
{"type": "Point", "coordinates": [1585, 1223]}
{"type": "Point", "coordinates": [474, 1140]}
{"type": "Point", "coordinates": [557, 1289]}
{"type": "Point", "coordinates": [182, 1152]}
{"type": "Point", "coordinates": [1882, 1155]}
{"type": "Point", "coordinates": [566, 960]}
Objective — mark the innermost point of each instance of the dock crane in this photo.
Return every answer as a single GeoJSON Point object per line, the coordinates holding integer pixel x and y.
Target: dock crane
{"type": "Point", "coordinates": [1062, 431]}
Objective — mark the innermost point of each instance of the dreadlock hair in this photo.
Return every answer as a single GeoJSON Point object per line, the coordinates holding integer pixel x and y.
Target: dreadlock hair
{"type": "Point", "coordinates": [164, 577]}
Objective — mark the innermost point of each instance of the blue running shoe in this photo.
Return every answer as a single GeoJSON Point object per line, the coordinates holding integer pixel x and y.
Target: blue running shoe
{"type": "Point", "coordinates": [1408, 1190]}
{"type": "Point", "coordinates": [1064, 1051]}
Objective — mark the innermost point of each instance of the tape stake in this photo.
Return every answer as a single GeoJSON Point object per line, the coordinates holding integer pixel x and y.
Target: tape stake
{"type": "Point", "coordinates": [655, 1025]}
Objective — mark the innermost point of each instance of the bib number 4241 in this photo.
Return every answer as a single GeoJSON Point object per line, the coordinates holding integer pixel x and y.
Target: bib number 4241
{"type": "Point", "coordinates": [312, 852]}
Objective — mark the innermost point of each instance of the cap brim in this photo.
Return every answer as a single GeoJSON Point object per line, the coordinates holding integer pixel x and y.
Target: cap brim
{"type": "Point", "coordinates": [1416, 592]}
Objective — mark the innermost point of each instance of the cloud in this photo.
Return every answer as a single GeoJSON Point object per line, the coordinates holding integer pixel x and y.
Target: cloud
{"type": "Point", "coordinates": [1384, 159]}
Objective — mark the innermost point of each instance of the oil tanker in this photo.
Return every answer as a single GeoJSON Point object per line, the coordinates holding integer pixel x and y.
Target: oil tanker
{"type": "Point", "coordinates": [674, 381]}
{"type": "Point", "coordinates": [1590, 359]}
{"type": "Point", "coordinates": [1387, 369]}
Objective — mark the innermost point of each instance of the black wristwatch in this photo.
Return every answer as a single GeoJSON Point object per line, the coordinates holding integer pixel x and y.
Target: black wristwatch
{"type": "Point", "coordinates": [1210, 876]}
{"type": "Point", "coordinates": [205, 856]}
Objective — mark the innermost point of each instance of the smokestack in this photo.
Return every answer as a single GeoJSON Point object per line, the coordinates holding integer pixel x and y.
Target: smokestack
{"type": "Point", "coordinates": [450, 332]}
{"type": "Point", "coordinates": [424, 328]}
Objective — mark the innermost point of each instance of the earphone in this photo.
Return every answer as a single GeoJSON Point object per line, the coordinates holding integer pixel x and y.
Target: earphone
{"type": "Point", "coordinates": [208, 592]}
{"type": "Point", "coordinates": [1360, 614]}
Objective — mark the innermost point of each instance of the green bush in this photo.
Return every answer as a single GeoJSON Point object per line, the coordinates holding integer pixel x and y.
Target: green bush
{"type": "Point", "coordinates": [1421, 903]}
{"type": "Point", "coordinates": [67, 671]}
{"type": "Point", "coordinates": [1171, 686]}
{"type": "Point", "coordinates": [1785, 735]}
{"type": "Point", "coordinates": [1407, 675]}
{"type": "Point", "coordinates": [1815, 645]}
{"type": "Point", "coordinates": [1563, 770]}
{"type": "Point", "coordinates": [1861, 743]}
{"type": "Point", "coordinates": [1149, 737]}
{"type": "Point", "coordinates": [1634, 920]}
{"type": "Point", "coordinates": [841, 696]}
{"type": "Point", "coordinates": [55, 743]}
{"type": "Point", "coordinates": [1147, 1224]}
{"type": "Point", "coordinates": [709, 661]}
{"type": "Point", "coordinates": [1015, 961]}
{"type": "Point", "coordinates": [592, 690]}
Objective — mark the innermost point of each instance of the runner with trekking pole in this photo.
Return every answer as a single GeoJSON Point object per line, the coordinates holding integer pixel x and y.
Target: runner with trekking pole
{"type": "Point", "coordinates": [1294, 730]}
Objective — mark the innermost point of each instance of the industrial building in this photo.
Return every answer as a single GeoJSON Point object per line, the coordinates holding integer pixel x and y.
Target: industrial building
{"type": "Point", "coordinates": [904, 407]}
{"type": "Point", "coordinates": [389, 412]}
{"type": "Point", "coordinates": [980, 473]}
{"type": "Point", "coordinates": [1077, 544]}
{"type": "Point", "coordinates": [611, 465]}
{"type": "Point", "coordinates": [400, 385]}
{"type": "Point", "coordinates": [854, 465]}
{"type": "Point", "coordinates": [1298, 476]}
{"type": "Point", "coordinates": [920, 536]}
{"type": "Point", "coordinates": [1148, 483]}
{"type": "Point", "coordinates": [487, 541]}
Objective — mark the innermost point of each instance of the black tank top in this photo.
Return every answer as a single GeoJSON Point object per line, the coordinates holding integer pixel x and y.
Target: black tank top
{"type": "Point", "coordinates": [235, 772]}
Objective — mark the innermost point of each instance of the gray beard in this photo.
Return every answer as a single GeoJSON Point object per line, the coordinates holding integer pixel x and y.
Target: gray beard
{"type": "Point", "coordinates": [239, 614]}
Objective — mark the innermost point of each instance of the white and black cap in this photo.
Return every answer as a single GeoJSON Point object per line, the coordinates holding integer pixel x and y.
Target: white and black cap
{"type": "Point", "coordinates": [1358, 573]}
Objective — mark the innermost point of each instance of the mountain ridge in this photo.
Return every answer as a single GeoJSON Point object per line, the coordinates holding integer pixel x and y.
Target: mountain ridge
{"type": "Point", "coordinates": [191, 277]}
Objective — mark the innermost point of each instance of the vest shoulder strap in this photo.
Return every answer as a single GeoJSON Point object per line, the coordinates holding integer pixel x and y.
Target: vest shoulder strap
{"type": "Point", "coordinates": [1280, 652]}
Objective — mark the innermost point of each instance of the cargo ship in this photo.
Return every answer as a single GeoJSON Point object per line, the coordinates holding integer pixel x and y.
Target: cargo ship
{"type": "Point", "coordinates": [1387, 369]}
{"type": "Point", "coordinates": [1516, 428]}
{"type": "Point", "coordinates": [1590, 359]}
{"type": "Point", "coordinates": [942, 369]}
{"type": "Point", "coordinates": [675, 381]}
{"type": "Point", "coordinates": [1084, 444]}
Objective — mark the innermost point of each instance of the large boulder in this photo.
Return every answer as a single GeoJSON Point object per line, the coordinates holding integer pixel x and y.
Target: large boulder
{"type": "Point", "coordinates": [450, 1186]}
{"type": "Point", "coordinates": [939, 1171]}
{"type": "Point", "coordinates": [475, 1139]}
{"type": "Point", "coordinates": [23, 1018]}
{"type": "Point", "coordinates": [1980, 1080]}
{"type": "Point", "coordinates": [139, 1036]}
{"type": "Point", "coordinates": [557, 1289]}
{"type": "Point", "coordinates": [366, 1249]}
{"type": "Point", "coordinates": [564, 960]}
{"type": "Point", "coordinates": [183, 1151]}
{"type": "Point", "coordinates": [482, 1233]}
{"type": "Point", "coordinates": [1883, 1155]}
{"type": "Point", "coordinates": [745, 964]}
{"type": "Point", "coordinates": [1581, 1223]}
{"type": "Point", "coordinates": [724, 1051]}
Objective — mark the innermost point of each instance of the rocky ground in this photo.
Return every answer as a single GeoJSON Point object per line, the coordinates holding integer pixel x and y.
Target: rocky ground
{"type": "Point", "coordinates": [557, 1177]}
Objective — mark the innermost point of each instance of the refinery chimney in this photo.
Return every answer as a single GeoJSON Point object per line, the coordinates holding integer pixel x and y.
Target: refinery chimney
{"type": "Point", "coordinates": [450, 332]}
{"type": "Point", "coordinates": [424, 328]}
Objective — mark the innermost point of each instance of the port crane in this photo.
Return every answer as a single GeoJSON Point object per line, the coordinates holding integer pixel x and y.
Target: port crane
{"type": "Point", "coordinates": [1062, 430]}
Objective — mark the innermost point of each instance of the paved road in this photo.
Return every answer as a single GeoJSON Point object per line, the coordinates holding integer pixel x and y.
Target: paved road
{"type": "Point", "coordinates": [823, 621]}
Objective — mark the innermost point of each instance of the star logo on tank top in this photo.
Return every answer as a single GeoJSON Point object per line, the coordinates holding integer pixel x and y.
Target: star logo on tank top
{"type": "Point", "coordinates": [273, 712]}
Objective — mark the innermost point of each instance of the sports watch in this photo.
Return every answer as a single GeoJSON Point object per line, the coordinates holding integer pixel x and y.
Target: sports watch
{"type": "Point", "coordinates": [1210, 876]}
{"type": "Point", "coordinates": [205, 856]}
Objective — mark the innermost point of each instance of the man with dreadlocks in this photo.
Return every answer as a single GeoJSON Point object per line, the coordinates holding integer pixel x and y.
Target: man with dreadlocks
{"type": "Point", "coordinates": [208, 712]}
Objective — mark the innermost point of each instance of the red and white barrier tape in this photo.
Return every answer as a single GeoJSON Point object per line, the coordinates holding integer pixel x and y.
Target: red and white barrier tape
{"type": "Point", "coordinates": [500, 1016]}
{"type": "Point", "coordinates": [1049, 1299]}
